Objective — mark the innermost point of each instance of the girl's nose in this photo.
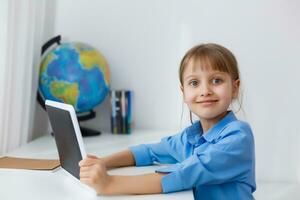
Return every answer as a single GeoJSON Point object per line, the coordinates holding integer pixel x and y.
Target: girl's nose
{"type": "Point", "coordinates": [205, 90]}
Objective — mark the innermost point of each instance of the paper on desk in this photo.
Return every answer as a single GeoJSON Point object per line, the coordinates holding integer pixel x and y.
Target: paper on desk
{"type": "Point", "coordinates": [26, 163]}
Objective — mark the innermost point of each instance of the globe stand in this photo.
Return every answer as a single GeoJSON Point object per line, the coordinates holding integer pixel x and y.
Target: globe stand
{"type": "Point", "coordinates": [86, 132]}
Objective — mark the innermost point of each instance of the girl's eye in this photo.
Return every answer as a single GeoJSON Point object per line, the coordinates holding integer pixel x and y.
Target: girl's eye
{"type": "Point", "coordinates": [193, 83]}
{"type": "Point", "coordinates": [216, 81]}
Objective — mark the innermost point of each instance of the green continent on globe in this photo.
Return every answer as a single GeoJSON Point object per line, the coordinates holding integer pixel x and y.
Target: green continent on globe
{"type": "Point", "coordinates": [67, 92]}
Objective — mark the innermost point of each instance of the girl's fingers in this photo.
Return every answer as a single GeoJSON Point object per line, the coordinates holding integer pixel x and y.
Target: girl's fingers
{"type": "Point", "coordinates": [85, 169]}
{"type": "Point", "coordinates": [88, 161]}
{"type": "Point", "coordinates": [91, 156]}
{"type": "Point", "coordinates": [84, 174]}
{"type": "Point", "coordinates": [92, 171]}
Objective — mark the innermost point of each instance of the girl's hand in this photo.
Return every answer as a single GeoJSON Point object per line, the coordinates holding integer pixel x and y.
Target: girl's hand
{"type": "Point", "coordinates": [93, 173]}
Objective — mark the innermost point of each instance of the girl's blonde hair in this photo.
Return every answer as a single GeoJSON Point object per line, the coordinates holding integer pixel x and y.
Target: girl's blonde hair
{"type": "Point", "coordinates": [211, 55]}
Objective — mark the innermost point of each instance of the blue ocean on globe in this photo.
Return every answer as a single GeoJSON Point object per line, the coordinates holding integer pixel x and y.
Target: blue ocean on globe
{"type": "Point", "coordinates": [75, 73]}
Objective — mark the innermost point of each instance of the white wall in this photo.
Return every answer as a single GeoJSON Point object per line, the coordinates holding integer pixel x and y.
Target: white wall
{"type": "Point", "coordinates": [3, 33]}
{"type": "Point", "coordinates": [144, 41]}
{"type": "Point", "coordinates": [3, 60]}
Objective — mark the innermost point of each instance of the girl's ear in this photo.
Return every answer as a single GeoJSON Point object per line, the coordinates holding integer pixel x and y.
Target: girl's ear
{"type": "Point", "coordinates": [182, 92]}
{"type": "Point", "coordinates": [181, 88]}
{"type": "Point", "coordinates": [235, 89]}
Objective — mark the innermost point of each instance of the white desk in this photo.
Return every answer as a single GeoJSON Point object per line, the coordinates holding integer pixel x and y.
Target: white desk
{"type": "Point", "coordinates": [31, 184]}
{"type": "Point", "coordinates": [277, 190]}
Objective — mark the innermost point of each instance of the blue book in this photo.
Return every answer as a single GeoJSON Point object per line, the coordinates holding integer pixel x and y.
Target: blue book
{"type": "Point", "coordinates": [114, 111]}
{"type": "Point", "coordinates": [128, 95]}
{"type": "Point", "coordinates": [121, 111]}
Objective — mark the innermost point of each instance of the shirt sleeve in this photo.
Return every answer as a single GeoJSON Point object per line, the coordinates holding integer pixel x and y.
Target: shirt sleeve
{"type": "Point", "coordinates": [228, 160]}
{"type": "Point", "coordinates": [165, 152]}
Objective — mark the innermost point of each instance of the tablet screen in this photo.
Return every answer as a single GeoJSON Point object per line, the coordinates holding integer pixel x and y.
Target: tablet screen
{"type": "Point", "coordinates": [68, 142]}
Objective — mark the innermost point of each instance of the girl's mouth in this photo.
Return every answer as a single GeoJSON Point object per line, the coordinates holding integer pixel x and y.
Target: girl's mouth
{"type": "Point", "coordinates": [208, 102]}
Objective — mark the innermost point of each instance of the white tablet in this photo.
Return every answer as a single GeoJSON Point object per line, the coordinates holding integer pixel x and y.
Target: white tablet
{"type": "Point", "coordinates": [67, 135]}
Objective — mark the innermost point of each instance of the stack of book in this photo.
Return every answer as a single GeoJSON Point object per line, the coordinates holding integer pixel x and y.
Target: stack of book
{"type": "Point", "coordinates": [120, 111]}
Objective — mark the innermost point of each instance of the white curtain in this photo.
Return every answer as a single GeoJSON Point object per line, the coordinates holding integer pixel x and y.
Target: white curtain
{"type": "Point", "coordinates": [20, 44]}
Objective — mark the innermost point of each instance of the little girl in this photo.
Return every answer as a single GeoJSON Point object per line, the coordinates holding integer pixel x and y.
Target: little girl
{"type": "Point", "coordinates": [214, 156]}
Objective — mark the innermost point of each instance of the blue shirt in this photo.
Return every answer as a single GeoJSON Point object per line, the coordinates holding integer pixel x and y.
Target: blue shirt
{"type": "Point", "coordinates": [219, 164]}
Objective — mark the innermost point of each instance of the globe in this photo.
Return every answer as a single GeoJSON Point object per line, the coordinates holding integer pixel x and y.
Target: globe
{"type": "Point", "coordinates": [74, 73]}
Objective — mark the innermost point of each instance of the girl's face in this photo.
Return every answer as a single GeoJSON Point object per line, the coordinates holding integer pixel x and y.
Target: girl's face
{"type": "Point", "coordinates": [207, 92]}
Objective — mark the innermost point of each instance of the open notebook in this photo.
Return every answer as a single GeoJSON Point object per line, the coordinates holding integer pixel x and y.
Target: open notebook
{"type": "Point", "coordinates": [28, 163]}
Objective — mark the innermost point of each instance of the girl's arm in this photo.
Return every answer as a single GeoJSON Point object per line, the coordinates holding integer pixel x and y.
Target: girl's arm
{"type": "Point", "coordinates": [120, 159]}
{"type": "Point", "coordinates": [139, 184]}
{"type": "Point", "coordinates": [93, 173]}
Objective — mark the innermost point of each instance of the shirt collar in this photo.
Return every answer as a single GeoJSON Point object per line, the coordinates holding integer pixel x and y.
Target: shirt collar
{"type": "Point", "coordinates": [194, 132]}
